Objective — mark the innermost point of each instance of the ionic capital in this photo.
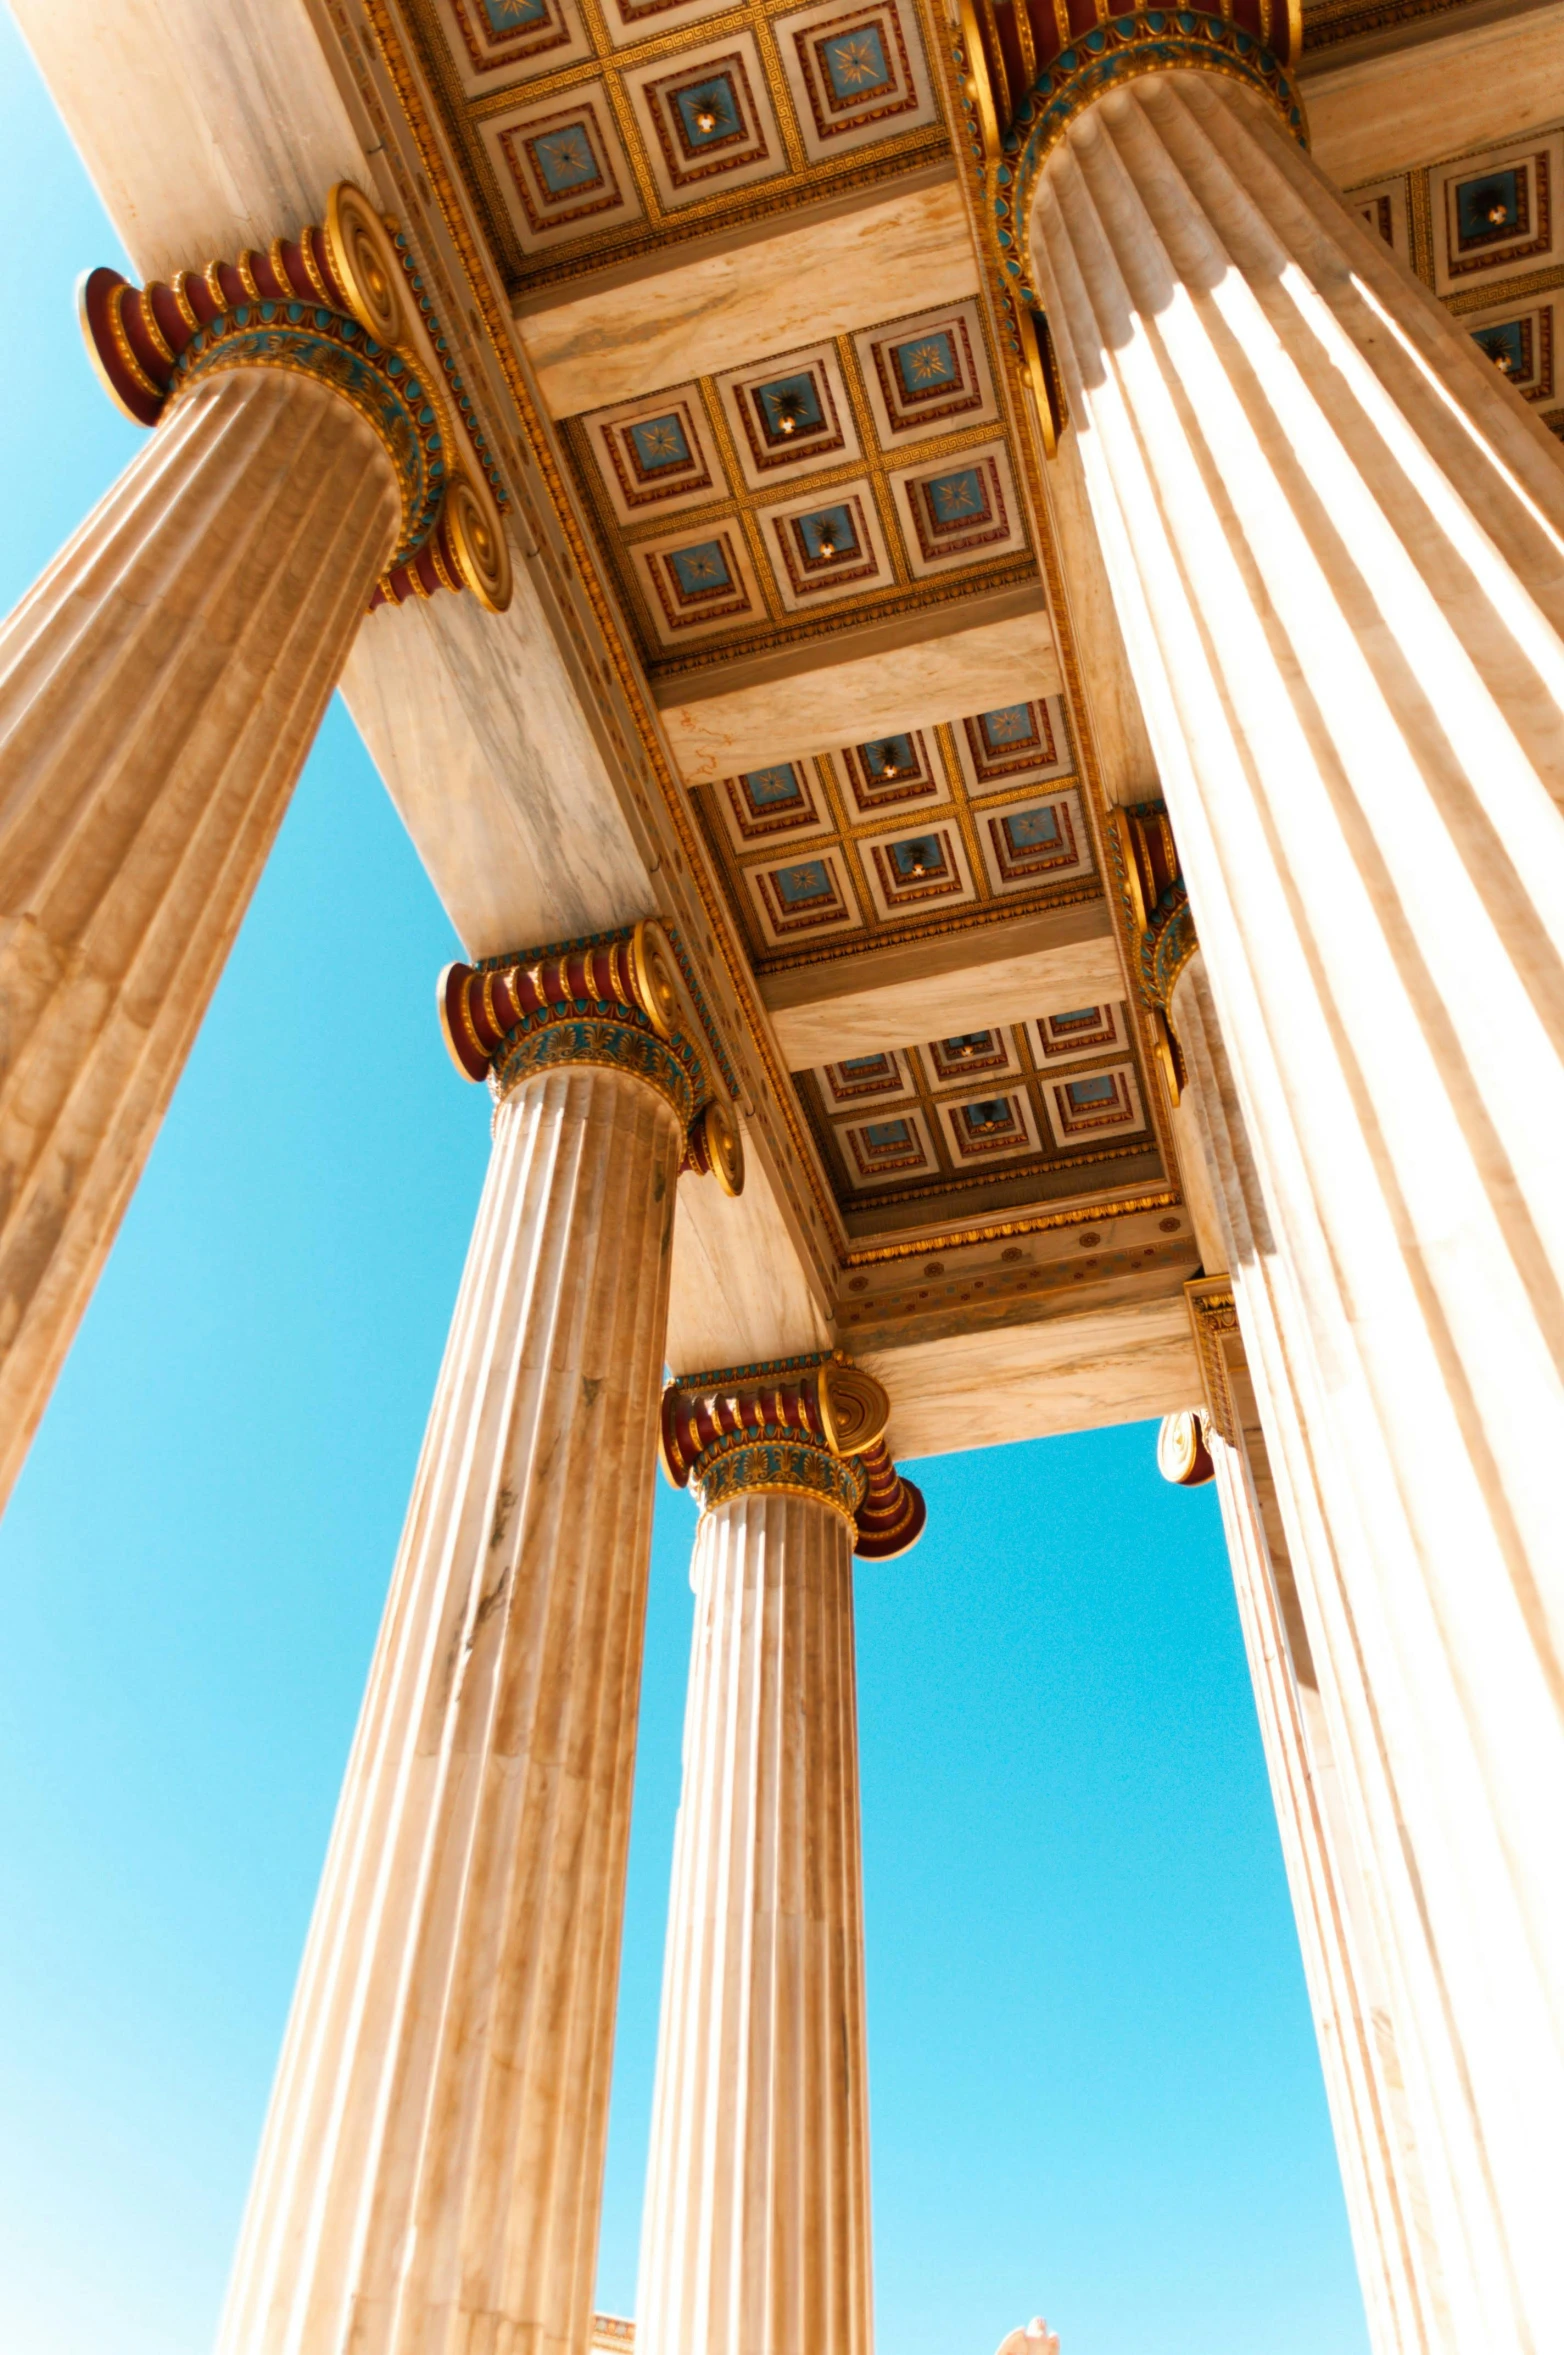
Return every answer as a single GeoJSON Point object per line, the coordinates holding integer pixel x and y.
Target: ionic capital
{"type": "Point", "coordinates": [1026, 75]}
{"type": "Point", "coordinates": [809, 1426]}
{"type": "Point", "coordinates": [344, 305]}
{"type": "Point", "coordinates": [1150, 883]}
{"type": "Point", "coordinates": [613, 999]}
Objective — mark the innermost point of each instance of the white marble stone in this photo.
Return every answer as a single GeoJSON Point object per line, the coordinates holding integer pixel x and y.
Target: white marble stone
{"type": "Point", "coordinates": [1336, 540]}
{"type": "Point", "coordinates": [848, 701]}
{"type": "Point", "coordinates": [431, 2168]}
{"type": "Point", "coordinates": [912, 1008]}
{"type": "Point", "coordinates": [809, 280]}
{"type": "Point", "coordinates": [741, 1289]}
{"type": "Point", "coordinates": [1333, 1907]}
{"type": "Point", "coordinates": [1471, 86]}
{"type": "Point", "coordinates": [485, 750]}
{"type": "Point", "coordinates": [1058, 1373]}
{"type": "Point", "coordinates": [755, 2233]}
{"type": "Point", "coordinates": [159, 689]}
{"type": "Point", "coordinates": [205, 128]}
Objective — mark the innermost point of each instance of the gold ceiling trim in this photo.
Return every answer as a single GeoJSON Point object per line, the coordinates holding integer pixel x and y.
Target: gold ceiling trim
{"type": "Point", "coordinates": [496, 326]}
{"type": "Point", "coordinates": [1082, 1214]}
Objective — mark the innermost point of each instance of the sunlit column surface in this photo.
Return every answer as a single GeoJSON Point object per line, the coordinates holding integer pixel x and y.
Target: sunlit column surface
{"type": "Point", "coordinates": [1337, 546]}
{"type": "Point", "coordinates": [431, 2171]}
{"type": "Point", "coordinates": [755, 2238]}
{"type": "Point", "coordinates": [1333, 1900]}
{"type": "Point", "coordinates": [159, 689]}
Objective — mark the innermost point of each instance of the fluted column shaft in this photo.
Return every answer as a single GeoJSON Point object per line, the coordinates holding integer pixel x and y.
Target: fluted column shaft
{"type": "Point", "coordinates": [430, 2177]}
{"type": "Point", "coordinates": [756, 2231]}
{"type": "Point", "coordinates": [1337, 545]}
{"type": "Point", "coordinates": [159, 689]}
{"type": "Point", "coordinates": [1386, 2202]}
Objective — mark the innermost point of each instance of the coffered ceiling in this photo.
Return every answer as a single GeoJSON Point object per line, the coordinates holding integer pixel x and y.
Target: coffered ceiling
{"type": "Point", "coordinates": [738, 247]}
{"type": "Point", "coordinates": [599, 131]}
{"type": "Point", "coordinates": [860, 478]}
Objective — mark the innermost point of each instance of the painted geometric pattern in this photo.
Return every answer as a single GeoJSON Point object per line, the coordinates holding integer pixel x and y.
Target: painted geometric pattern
{"type": "Point", "coordinates": [927, 374]}
{"type": "Point", "coordinates": [708, 120]}
{"type": "Point", "coordinates": [780, 105]}
{"type": "Point", "coordinates": [1018, 744]}
{"type": "Point", "coordinates": [496, 42]}
{"type": "Point", "coordinates": [1486, 232]}
{"type": "Point", "coordinates": [854, 74]}
{"type": "Point", "coordinates": [794, 456]}
{"type": "Point", "coordinates": [1521, 342]}
{"type": "Point", "coordinates": [887, 833]}
{"type": "Point", "coordinates": [980, 1104]}
{"type": "Point", "coordinates": [1497, 213]}
{"type": "Point", "coordinates": [957, 511]}
{"type": "Point", "coordinates": [562, 165]}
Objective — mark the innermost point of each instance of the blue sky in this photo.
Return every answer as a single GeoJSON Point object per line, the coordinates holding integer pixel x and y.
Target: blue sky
{"type": "Point", "coordinates": [1094, 2084]}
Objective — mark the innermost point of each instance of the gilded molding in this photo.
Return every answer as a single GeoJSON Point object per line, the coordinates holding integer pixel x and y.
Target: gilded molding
{"type": "Point", "coordinates": [612, 999]}
{"type": "Point", "coordinates": [1016, 112]}
{"type": "Point", "coordinates": [552, 1041]}
{"type": "Point", "coordinates": [1213, 1320]}
{"type": "Point", "coordinates": [331, 305]}
{"type": "Point", "coordinates": [783, 1463]}
{"type": "Point", "coordinates": [1150, 885]}
{"type": "Point", "coordinates": [810, 1426]}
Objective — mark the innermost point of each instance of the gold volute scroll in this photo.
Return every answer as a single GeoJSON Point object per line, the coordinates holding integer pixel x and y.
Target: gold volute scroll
{"type": "Point", "coordinates": [1183, 1458]}
{"type": "Point", "coordinates": [478, 546]}
{"type": "Point", "coordinates": [364, 263]}
{"type": "Point", "coordinates": [853, 1408]}
{"type": "Point", "coordinates": [719, 1145]}
{"type": "Point", "coordinates": [654, 976]}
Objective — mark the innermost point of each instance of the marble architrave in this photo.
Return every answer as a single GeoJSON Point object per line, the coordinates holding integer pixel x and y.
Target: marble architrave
{"type": "Point", "coordinates": [912, 683]}
{"type": "Point", "coordinates": [1335, 540]}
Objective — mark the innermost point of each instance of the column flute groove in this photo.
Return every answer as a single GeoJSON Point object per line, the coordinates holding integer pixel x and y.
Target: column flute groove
{"type": "Point", "coordinates": [159, 689]}
{"type": "Point", "coordinates": [430, 2175]}
{"type": "Point", "coordinates": [755, 2238]}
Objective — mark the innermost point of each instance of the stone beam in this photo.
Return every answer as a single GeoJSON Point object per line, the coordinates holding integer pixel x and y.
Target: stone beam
{"type": "Point", "coordinates": [982, 1389]}
{"type": "Point", "coordinates": [1384, 114]}
{"type": "Point", "coordinates": [928, 989]}
{"type": "Point", "coordinates": [809, 280]}
{"type": "Point", "coordinates": [813, 702]}
{"type": "Point", "coordinates": [741, 1294]}
{"type": "Point", "coordinates": [487, 754]}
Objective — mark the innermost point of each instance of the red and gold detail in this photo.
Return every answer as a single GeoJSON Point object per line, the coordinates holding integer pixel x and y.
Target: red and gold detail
{"type": "Point", "coordinates": [1145, 862]}
{"type": "Point", "coordinates": [329, 304]}
{"type": "Point", "coordinates": [1029, 67]}
{"type": "Point", "coordinates": [612, 999]}
{"type": "Point", "coordinates": [755, 1430]}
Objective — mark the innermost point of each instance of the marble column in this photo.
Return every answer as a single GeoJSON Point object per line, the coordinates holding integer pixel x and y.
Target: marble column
{"type": "Point", "coordinates": [1336, 541]}
{"type": "Point", "coordinates": [430, 2173]}
{"type": "Point", "coordinates": [1339, 1932]}
{"type": "Point", "coordinates": [755, 2238]}
{"type": "Point", "coordinates": [159, 689]}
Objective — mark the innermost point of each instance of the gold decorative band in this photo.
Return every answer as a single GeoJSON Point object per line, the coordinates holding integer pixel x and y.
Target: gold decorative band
{"type": "Point", "coordinates": [344, 305]}
{"type": "Point", "coordinates": [613, 999]}
{"type": "Point", "coordinates": [787, 1464]}
{"type": "Point", "coordinates": [774, 1427]}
